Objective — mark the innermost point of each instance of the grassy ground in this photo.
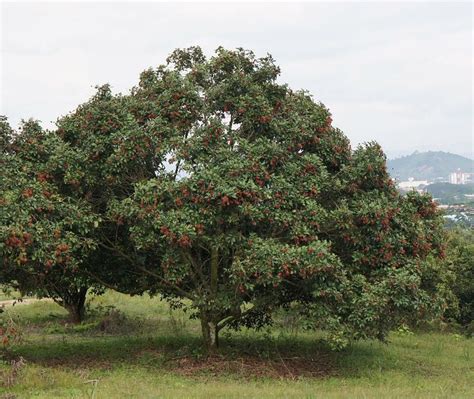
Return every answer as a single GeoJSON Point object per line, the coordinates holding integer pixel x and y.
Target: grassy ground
{"type": "Point", "coordinates": [138, 348]}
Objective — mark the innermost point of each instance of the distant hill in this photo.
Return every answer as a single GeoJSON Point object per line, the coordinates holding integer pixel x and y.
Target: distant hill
{"type": "Point", "coordinates": [428, 165]}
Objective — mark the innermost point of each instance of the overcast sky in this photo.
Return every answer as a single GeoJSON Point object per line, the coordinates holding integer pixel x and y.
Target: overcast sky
{"type": "Point", "coordinates": [399, 73]}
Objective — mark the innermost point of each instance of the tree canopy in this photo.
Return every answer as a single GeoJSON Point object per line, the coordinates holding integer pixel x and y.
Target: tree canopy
{"type": "Point", "coordinates": [227, 192]}
{"type": "Point", "coordinates": [44, 235]}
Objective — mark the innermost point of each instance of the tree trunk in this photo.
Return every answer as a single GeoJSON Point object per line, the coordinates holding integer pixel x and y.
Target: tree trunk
{"type": "Point", "coordinates": [210, 334]}
{"type": "Point", "coordinates": [75, 305]}
{"type": "Point", "coordinates": [214, 271]}
{"type": "Point", "coordinates": [76, 313]}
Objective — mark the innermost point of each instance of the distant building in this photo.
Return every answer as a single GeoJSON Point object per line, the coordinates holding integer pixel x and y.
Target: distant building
{"type": "Point", "coordinates": [440, 179]}
{"type": "Point", "coordinates": [412, 184]}
{"type": "Point", "coordinates": [459, 177]}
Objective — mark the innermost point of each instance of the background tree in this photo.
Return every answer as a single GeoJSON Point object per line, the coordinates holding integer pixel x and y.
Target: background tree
{"type": "Point", "coordinates": [109, 152]}
{"type": "Point", "coordinates": [43, 235]}
{"type": "Point", "coordinates": [459, 263]}
{"type": "Point", "coordinates": [83, 171]}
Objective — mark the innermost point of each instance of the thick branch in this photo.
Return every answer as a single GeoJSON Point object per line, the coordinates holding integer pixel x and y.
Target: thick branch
{"type": "Point", "coordinates": [113, 287]}
{"type": "Point", "coordinates": [234, 317]}
{"type": "Point", "coordinates": [214, 270]}
{"type": "Point", "coordinates": [136, 264]}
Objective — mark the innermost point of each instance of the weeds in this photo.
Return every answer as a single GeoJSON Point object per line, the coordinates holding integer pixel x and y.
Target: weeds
{"type": "Point", "coordinates": [178, 321]}
{"type": "Point", "coordinates": [10, 376]}
{"type": "Point", "coordinates": [11, 332]}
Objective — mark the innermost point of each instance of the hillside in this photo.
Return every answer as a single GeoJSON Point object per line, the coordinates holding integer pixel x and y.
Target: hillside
{"type": "Point", "coordinates": [428, 165]}
{"type": "Point", "coordinates": [447, 193]}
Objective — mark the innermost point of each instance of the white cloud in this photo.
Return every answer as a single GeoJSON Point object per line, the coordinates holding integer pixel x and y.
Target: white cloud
{"type": "Point", "coordinates": [400, 73]}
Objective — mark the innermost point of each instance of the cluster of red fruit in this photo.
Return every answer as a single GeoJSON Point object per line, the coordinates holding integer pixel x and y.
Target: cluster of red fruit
{"type": "Point", "coordinates": [428, 210]}
{"type": "Point", "coordinates": [19, 241]}
{"type": "Point", "coordinates": [264, 119]}
{"type": "Point", "coordinates": [183, 241]}
{"type": "Point", "coordinates": [42, 177]}
{"type": "Point", "coordinates": [60, 253]}
{"type": "Point", "coordinates": [27, 192]}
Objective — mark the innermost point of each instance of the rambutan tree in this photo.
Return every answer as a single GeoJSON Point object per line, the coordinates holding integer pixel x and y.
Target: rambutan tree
{"type": "Point", "coordinates": [257, 202]}
{"type": "Point", "coordinates": [230, 194]}
{"type": "Point", "coordinates": [44, 236]}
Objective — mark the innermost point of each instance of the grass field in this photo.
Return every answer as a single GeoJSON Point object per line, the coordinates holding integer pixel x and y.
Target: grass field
{"type": "Point", "coordinates": [138, 348]}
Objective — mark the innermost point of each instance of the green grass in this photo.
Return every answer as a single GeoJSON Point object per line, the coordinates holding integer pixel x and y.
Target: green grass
{"type": "Point", "coordinates": [143, 350]}
{"type": "Point", "coordinates": [6, 293]}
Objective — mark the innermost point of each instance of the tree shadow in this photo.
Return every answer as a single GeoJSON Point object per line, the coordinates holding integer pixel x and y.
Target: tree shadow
{"type": "Point", "coordinates": [108, 340]}
{"type": "Point", "coordinates": [248, 355]}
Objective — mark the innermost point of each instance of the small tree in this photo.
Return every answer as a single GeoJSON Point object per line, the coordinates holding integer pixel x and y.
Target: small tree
{"type": "Point", "coordinates": [459, 263]}
{"type": "Point", "coordinates": [43, 235]}
{"type": "Point", "coordinates": [82, 171]}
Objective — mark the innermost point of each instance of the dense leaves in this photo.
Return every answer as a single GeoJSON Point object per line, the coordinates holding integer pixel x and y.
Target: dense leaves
{"type": "Point", "coordinates": [44, 236]}
{"type": "Point", "coordinates": [261, 202]}
{"type": "Point", "coordinates": [459, 266]}
{"type": "Point", "coordinates": [227, 192]}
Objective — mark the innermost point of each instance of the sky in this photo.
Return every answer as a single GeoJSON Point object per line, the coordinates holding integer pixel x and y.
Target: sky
{"type": "Point", "coordinates": [399, 73]}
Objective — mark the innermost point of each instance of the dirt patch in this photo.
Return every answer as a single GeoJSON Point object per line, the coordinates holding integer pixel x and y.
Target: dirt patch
{"type": "Point", "coordinates": [255, 367]}
{"type": "Point", "coordinates": [247, 367]}
{"type": "Point", "coordinates": [16, 302]}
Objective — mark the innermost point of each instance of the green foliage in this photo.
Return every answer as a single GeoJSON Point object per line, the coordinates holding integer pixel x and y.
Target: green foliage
{"type": "Point", "coordinates": [256, 201]}
{"type": "Point", "coordinates": [6, 133]}
{"type": "Point", "coordinates": [44, 235]}
{"type": "Point", "coordinates": [460, 265]}
{"type": "Point", "coordinates": [231, 195]}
